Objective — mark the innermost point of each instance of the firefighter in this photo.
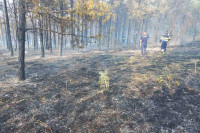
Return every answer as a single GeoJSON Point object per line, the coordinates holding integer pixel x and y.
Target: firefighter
{"type": "Point", "coordinates": [164, 41]}
{"type": "Point", "coordinates": [143, 42]}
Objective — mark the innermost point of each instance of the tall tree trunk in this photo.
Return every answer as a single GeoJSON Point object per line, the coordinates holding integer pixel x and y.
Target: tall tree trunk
{"type": "Point", "coordinates": [16, 23]}
{"type": "Point", "coordinates": [129, 31]}
{"type": "Point", "coordinates": [58, 36]}
{"type": "Point", "coordinates": [41, 36]}
{"type": "Point", "coordinates": [116, 29]}
{"type": "Point", "coordinates": [109, 29]}
{"type": "Point", "coordinates": [46, 32]}
{"type": "Point", "coordinates": [50, 38]}
{"type": "Point", "coordinates": [62, 29]}
{"type": "Point", "coordinates": [100, 33]}
{"type": "Point", "coordinates": [7, 45]}
{"type": "Point", "coordinates": [91, 31]}
{"type": "Point", "coordinates": [54, 34]}
{"type": "Point", "coordinates": [35, 36]}
{"type": "Point", "coordinates": [14, 40]}
{"type": "Point", "coordinates": [28, 41]}
{"type": "Point", "coordinates": [35, 39]}
{"type": "Point", "coordinates": [82, 32]}
{"type": "Point", "coordinates": [78, 33]}
{"type": "Point", "coordinates": [72, 24]}
{"type": "Point", "coordinates": [109, 32]}
{"type": "Point", "coordinates": [9, 41]}
{"type": "Point", "coordinates": [86, 33]}
{"type": "Point", "coordinates": [22, 36]}
{"type": "Point", "coordinates": [3, 35]}
{"type": "Point", "coordinates": [124, 26]}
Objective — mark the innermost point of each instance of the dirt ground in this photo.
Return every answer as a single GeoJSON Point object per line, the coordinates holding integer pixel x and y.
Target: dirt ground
{"type": "Point", "coordinates": [154, 93]}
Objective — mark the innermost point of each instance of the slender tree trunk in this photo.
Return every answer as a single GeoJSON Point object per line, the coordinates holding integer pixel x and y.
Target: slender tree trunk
{"type": "Point", "coordinates": [109, 32]}
{"type": "Point", "coordinates": [28, 41]}
{"type": "Point", "coordinates": [78, 33]}
{"type": "Point", "coordinates": [35, 37]}
{"type": "Point", "coordinates": [7, 45]}
{"type": "Point", "coordinates": [14, 40]}
{"type": "Point", "coordinates": [116, 29]}
{"type": "Point", "coordinates": [50, 38]}
{"type": "Point", "coordinates": [61, 45]}
{"type": "Point", "coordinates": [16, 23]}
{"type": "Point", "coordinates": [62, 30]}
{"type": "Point", "coordinates": [129, 30]}
{"type": "Point", "coordinates": [91, 31]}
{"type": "Point", "coordinates": [22, 36]}
{"type": "Point", "coordinates": [3, 35]}
{"type": "Point", "coordinates": [86, 33]}
{"type": "Point", "coordinates": [72, 24]}
{"type": "Point", "coordinates": [119, 38]}
{"type": "Point", "coordinates": [54, 35]}
{"type": "Point", "coordinates": [9, 41]}
{"type": "Point", "coordinates": [5, 31]}
{"type": "Point", "coordinates": [47, 33]}
{"type": "Point", "coordinates": [41, 37]}
{"type": "Point", "coordinates": [58, 36]}
{"type": "Point", "coordinates": [82, 32]}
{"type": "Point", "coordinates": [100, 33]}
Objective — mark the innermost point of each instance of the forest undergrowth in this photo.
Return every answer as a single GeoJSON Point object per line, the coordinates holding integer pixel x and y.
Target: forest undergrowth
{"type": "Point", "coordinates": [103, 92]}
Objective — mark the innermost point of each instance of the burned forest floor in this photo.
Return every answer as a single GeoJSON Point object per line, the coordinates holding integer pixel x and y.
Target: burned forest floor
{"type": "Point", "coordinates": [154, 93]}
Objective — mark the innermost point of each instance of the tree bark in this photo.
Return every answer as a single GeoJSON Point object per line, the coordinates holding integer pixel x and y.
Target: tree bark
{"type": "Point", "coordinates": [47, 33]}
{"type": "Point", "coordinates": [9, 41]}
{"type": "Point", "coordinates": [78, 33]}
{"type": "Point", "coordinates": [41, 37]}
{"type": "Point", "coordinates": [3, 35]}
{"type": "Point", "coordinates": [50, 38]}
{"type": "Point", "coordinates": [129, 31]}
{"type": "Point", "coordinates": [72, 24]}
{"type": "Point", "coordinates": [54, 35]}
{"type": "Point", "coordinates": [100, 33]}
{"type": "Point", "coordinates": [22, 30]}
{"type": "Point", "coordinates": [27, 39]}
{"type": "Point", "coordinates": [16, 23]}
{"type": "Point", "coordinates": [62, 30]}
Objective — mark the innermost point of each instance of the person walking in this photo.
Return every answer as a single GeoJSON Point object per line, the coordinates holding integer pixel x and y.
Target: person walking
{"type": "Point", "coordinates": [143, 42]}
{"type": "Point", "coordinates": [166, 37]}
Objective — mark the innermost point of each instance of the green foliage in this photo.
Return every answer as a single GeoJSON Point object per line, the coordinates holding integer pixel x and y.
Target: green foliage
{"type": "Point", "coordinates": [104, 80]}
{"type": "Point", "coordinates": [146, 8]}
{"type": "Point", "coordinates": [168, 78]}
{"type": "Point", "coordinates": [108, 16]}
{"type": "Point", "coordinates": [43, 100]}
{"type": "Point", "coordinates": [131, 60]}
{"type": "Point", "coordinates": [93, 9]}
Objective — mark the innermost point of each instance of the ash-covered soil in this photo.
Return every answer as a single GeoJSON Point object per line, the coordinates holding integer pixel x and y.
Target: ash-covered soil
{"type": "Point", "coordinates": [151, 94]}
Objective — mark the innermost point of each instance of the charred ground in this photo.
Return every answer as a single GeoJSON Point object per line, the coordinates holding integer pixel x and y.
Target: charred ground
{"type": "Point", "coordinates": [154, 93]}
